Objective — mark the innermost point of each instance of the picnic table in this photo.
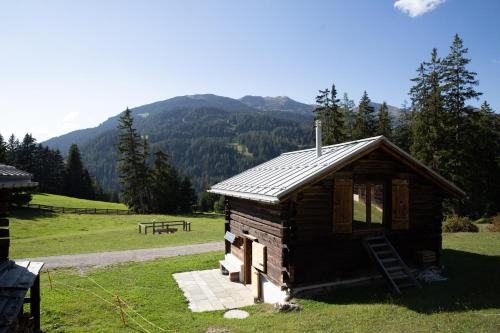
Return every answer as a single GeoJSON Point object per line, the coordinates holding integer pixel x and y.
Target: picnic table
{"type": "Point", "coordinates": [160, 227]}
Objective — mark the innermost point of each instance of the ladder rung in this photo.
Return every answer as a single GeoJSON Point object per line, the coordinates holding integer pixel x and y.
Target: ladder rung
{"type": "Point", "coordinates": [389, 260]}
{"type": "Point", "coordinates": [383, 252]}
{"type": "Point", "coordinates": [379, 245]}
{"type": "Point", "coordinates": [404, 285]}
{"type": "Point", "coordinates": [394, 268]}
{"type": "Point", "coordinates": [399, 276]}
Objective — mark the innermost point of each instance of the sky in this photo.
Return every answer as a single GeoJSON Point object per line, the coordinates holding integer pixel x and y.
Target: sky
{"type": "Point", "coordinates": [66, 65]}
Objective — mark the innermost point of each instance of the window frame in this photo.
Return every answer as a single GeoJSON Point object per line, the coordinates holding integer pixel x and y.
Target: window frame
{"type": "Point", "coordinates": [368, 184]}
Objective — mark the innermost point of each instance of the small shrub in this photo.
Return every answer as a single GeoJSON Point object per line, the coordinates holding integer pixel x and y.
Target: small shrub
{"type": "Point", "coordinates": [455, 223]}
{"type": "Point", "coordinates": [495, 224]}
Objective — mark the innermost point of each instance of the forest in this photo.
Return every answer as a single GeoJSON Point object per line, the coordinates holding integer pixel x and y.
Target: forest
{"type": "Point", "coordinates": [210, 140]}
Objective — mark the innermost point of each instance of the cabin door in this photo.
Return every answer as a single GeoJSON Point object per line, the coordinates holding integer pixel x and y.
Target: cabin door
{"type": "Point", "coordinates": [247, 259]}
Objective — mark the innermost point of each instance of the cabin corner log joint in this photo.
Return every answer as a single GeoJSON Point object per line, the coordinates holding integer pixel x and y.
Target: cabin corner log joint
{"type": "Point", "coordinates": [313, 212]}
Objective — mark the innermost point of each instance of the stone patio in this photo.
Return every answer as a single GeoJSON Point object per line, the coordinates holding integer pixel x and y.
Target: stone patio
{"type": "Point", "coordinates": [210, 290]}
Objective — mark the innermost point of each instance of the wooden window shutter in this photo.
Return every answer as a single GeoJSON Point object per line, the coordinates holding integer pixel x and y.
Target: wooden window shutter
{"type": "Point", "coordinates": [400, 204]}
{"type": "Point", "coordinates": [342, 206]}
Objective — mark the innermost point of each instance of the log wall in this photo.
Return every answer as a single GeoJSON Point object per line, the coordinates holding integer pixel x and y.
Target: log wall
{"type": "Point", "coordinates": [321, 255]}
{"type": "Point", "coordinates": [263, 222]}
{"type": "Point", "coordinates": [301, 244]}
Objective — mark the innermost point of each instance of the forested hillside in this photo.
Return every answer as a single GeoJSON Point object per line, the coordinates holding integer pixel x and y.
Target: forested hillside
{"type": "Point", "coordinates": [206, 144]}
{"type": "Point", "coordinates": [209, 137]}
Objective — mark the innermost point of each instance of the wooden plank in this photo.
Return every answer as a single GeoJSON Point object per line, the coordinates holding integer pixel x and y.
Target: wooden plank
{"type": "Point", "coordinates": [4, 222]}
{"type": "Point", "coordinates": [400, 204]}
{"type": "Point", "coordinates": [342, 206]}
{"type": "Point", "coordinates": [256, 287]}
{"type": "Point", "coordinates": [259, 256]}
{"type": "Point", "coordinates": [4, 248]}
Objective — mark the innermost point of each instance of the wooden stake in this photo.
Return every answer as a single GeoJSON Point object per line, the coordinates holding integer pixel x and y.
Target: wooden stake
{"type": "Point", "coordinates": [50, 279]}
{"type": "Point", "coordinates": [122, 315]}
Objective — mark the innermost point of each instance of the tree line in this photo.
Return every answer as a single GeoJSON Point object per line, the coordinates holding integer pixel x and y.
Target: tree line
{"type": "Point", "coordinates": [144, 188]}
{"type": "Point", "coordinates": [49, 169]}
{"type": "Point", "coordinates": [439, 128]}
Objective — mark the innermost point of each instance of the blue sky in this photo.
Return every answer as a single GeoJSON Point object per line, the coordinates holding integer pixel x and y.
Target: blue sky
{"type": "Point", "coordinates": [66, 65]}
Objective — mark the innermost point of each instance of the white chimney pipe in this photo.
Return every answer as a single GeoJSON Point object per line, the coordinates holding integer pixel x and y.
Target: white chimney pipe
{"type": "Point", "coordinates": [318, 138]}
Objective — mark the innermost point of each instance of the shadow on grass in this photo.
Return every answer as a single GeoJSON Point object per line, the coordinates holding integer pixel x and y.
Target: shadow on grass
{"type": "Point", "coordinates": [24, 213]}
{"type": "Point", "coordinates": [472, 285]}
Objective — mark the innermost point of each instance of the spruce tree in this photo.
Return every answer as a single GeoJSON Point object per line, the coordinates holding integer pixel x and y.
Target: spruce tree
{"type": "Point", "coordinates": [132, 167]}
{"type": "Point", "coordinates": [187, 196]}
{"type": "Point", "coordinates": [483, 183]}
{"type": "Point", "coordinates": [77, 182]}
{"type": "Point", "coordinates": [384, 125]}
{"type": "Point", "coordinates": [401, 136]}
{"type": "Point", "coordinates": [12, 150]}
{"type": "Point", "coordinates": [428, 118]}
{"type": "Point", "coordinates": [331, 116]}
{"type": "Point", "coordinates": [458, 87]}
{"type": "Point", "coordinates": [347, 106]}
{"type": "Point", "coordinates": [165, 185]}
{"type": "Point", "coordinates": [364, 125]}
{"type": "Point", "coordinates": [3, 150]}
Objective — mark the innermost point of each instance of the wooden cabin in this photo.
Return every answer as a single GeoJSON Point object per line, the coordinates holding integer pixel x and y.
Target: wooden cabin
{"type": "Point", "coordinates": [16, 277]}
{"type": "Point", "coordinates": [330, 214]}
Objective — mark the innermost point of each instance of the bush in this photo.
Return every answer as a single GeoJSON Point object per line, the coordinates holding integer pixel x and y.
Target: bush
{"type": "Point", "coordinates": [495, 224]}
{"type": "Point", "coordinates": [455, 223]}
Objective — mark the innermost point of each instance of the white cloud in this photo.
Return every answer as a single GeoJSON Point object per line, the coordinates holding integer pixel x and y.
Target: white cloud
{"type": "Point", "coordinates": [415, 8]}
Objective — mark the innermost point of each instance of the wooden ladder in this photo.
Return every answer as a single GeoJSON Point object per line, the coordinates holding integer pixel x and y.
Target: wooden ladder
{"type": "Point", "coordinates": [390, 264]}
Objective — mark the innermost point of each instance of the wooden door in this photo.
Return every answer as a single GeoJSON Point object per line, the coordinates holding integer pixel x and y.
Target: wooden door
{"type": "Point", "coordinates": [342, 206]}
{"type": "Point", "coordinates": [247, 260]}
{"type": "Point", "coordinates": [400, 204]}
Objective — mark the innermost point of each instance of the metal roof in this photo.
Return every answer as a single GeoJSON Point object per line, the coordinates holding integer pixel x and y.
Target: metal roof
{"type": "Point", "coordinates": [273, 180]}
{"type": "Point", "coordinates": [10, 177]}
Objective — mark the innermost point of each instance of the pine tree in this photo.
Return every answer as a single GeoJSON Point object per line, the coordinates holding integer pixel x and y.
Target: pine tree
{"type": "Point", "coordinates": [12, 149]}
{"type": "Point", "coordinates": [384, 125]}
{"type": "Point", "coordinates": [364, 125]}
{"type": "Point", "coordinates": [428, 117]}
{"type": "Point", "coordinates": [77, 181]}
{"type": "Point", "coordinates": [25, 153]}
{"type": "Point", "coordinates": [187, 196]}
{"type": "Point", "coordinates": [401, 136]}
{"type": "Point", "coordinates": [458, 88]}
{"type": "Point", "coordinates": [132, 169]}
{"type": "Point", "coordinates": [331, 116]}
{"type": "Point", "coordinates": [484, 181]}
{"type": "Point", "coordinates": [3, 150]}
{"type": "Point", "coordinates": [347, 106]}
{"type": "Point", "coordinates": [165, 185]}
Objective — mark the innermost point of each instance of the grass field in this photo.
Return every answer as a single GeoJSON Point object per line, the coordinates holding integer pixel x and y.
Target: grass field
{"type": "Point", "coordinates": [68, 202]}
{"type": "Point", "coordinates": [468, 302]}
{"type": "Point", "coordinates": [37, 233]}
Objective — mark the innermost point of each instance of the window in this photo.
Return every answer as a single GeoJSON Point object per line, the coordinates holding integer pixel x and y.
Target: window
{"type": "Point", "coordinates": [368, 205]}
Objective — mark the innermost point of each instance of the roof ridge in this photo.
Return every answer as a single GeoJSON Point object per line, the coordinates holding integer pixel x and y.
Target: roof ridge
{"type": "Point", "coordinates": [373, 138]}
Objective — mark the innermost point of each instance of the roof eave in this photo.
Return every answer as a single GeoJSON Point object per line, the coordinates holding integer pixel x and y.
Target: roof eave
{"type": "Point", "coordinates": [249, 196]}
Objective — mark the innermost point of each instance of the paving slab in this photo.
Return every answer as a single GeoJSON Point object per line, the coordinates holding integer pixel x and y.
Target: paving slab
{"type": "Point", "coordinates": [209, 290]}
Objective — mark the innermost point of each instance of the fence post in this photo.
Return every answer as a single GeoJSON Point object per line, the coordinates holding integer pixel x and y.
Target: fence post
{"type": "Point", "coordinates": [122, 315]}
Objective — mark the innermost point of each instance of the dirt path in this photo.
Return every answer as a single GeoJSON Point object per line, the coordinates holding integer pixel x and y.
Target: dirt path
{"type": "Point", "coordinates": [114, 257]}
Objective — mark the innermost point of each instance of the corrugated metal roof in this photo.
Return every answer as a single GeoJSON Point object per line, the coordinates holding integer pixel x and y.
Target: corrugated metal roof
{"type": "Point", "coordinates": [10, 177]}
{"type": "Point", "coordinates": [273, 180]}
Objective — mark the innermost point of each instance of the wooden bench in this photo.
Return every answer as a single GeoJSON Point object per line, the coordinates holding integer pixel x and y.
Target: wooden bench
{"type": "Point", "coordinates": [231, 266]}
{"type": "Point", "coordinates": [167, 230]}
{"type": "Point", "coordinates": [163, 226]}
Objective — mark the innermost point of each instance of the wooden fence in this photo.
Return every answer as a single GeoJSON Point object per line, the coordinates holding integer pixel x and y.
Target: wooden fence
{"type": "Point", "coordinates": [105, 211]}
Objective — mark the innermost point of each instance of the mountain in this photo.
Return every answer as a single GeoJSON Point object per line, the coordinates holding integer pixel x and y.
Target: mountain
{"type": "Point", "coordinates": [280, 103]}
{"type": "Point", "coordinates": [393, 111]}
{"type": "Point", "coordinates": [208, 137]}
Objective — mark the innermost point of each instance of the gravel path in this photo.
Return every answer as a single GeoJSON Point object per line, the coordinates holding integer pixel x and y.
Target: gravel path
{"type": "Point", "coordinates": [114, 257]}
